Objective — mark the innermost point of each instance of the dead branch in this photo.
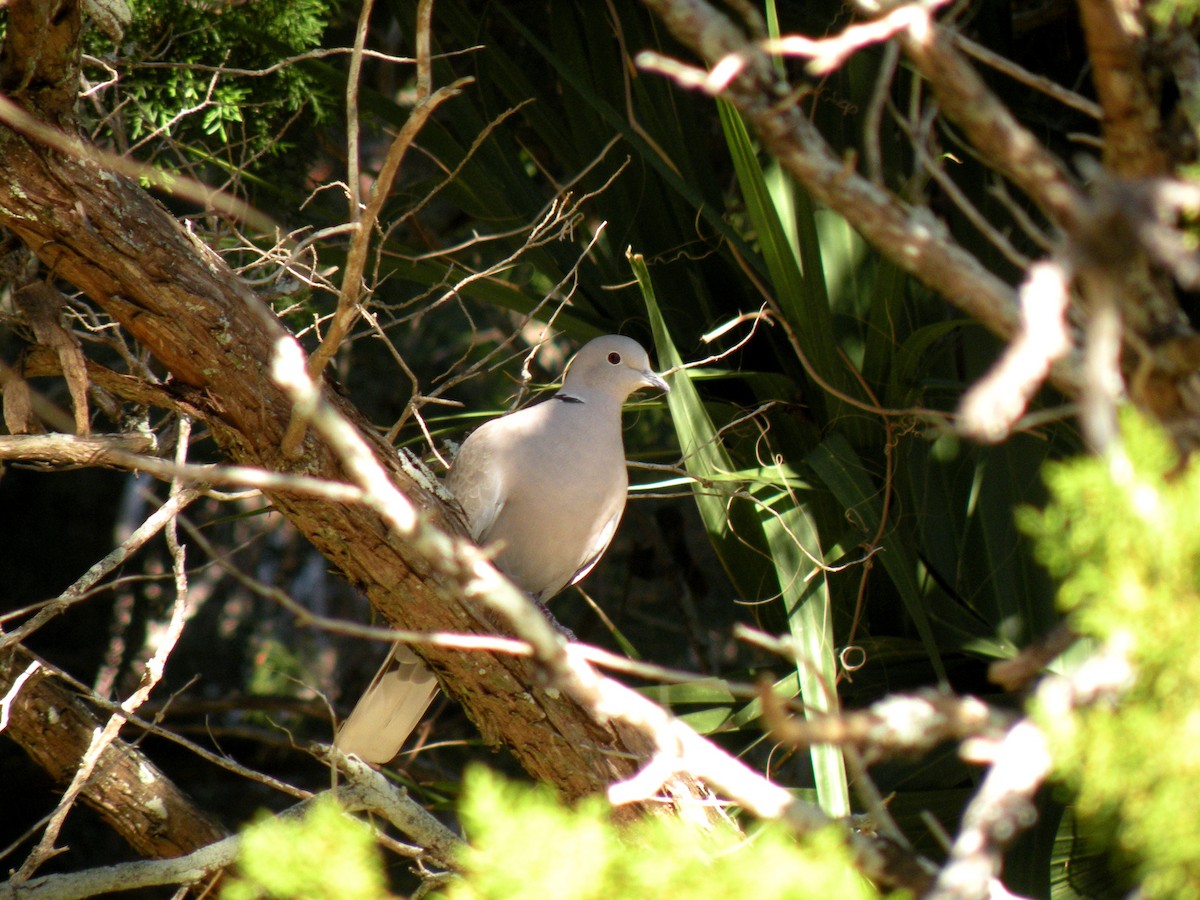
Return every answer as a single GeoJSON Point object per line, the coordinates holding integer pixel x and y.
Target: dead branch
{"type": "Point", "coordinates": [109, 450]}
{"type": "Point", "coordinates": [55, 727]}
{"type": "Point", "coordinates": [896, 725]}
{"type": "Point", "coordinates": [1115, 37]}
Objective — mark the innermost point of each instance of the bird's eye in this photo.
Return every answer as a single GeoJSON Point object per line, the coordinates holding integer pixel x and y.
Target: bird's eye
{"type": "Point", "coordinates": [614, 358]}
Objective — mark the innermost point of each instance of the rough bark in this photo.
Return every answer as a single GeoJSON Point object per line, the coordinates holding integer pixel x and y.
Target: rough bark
{"type": "Point", "coordinates": [1132, 130]}
{"type": "Point", "coordinates": [40, 59]}
{"type": "Point", "coordinates": [54, 727]}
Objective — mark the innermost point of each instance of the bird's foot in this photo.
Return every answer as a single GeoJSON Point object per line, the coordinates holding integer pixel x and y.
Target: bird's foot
{"type": "Point", "coordinates": [558, 626]}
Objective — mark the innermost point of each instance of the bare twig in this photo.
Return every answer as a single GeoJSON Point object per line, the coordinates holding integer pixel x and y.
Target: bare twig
{"type": "Point", "coordinates": [894, 725]}
{"type": "Point", "coordinates": [320, 53]}
{"type": "Point", "coordinates": [1001, 808]}
{"type": "Point", "coordinates": [873, 116]}
{"type": "Point", "coordinates": [305, 616]}
{"type": "Point", "coordinates": [353, 179]}
{"type": "Point", "coordinates": [173, 184]}
{"type": "Point", "coordinates": [424, 54]}
{"type": "Point", "coordinates": [755, 317]}
{"type": "Point", "coordinates": [151, 676]}
{"type": "Point", "coordinates": [367, 791]}
{"type": "Point", "coordinates": [356, 260]}
{"type": "Point", "coordinates": [1050, 88]}
{"type": "Point", "coordinates": [216, 759]}
{"type": "Point", "coordinates": [829, 53]}
{"type": "Point", "coordinates": [153, 524]}
{"type": "Point", "coordinates": [1013, 674]}
{"type": "Point", "coordinates": [1021, 761]}
{"type": "Point", "coordinates": [110, 450]}
{"type": "Point", "coordinates": [120, 451]}
{"type": "Point", "coordinates": [993, 405]}
{"type": "Point", "coordinates": [908, 235]}
{"type": "Point", "coordinates": [1004, 143]}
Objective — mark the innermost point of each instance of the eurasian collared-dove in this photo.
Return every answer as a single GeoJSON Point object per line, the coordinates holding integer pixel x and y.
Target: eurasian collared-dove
{"type": "Point", "coordinates": [545, 487]}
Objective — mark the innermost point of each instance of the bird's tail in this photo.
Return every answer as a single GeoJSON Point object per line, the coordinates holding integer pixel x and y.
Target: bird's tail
{"type": "Point", "coordinates": [389, 709]}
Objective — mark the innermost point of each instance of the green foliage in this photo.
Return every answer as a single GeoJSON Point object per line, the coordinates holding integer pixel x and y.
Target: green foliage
{"type": "Point", "coordinates": [1183, 12]}
{"type": "Point", "coordinates": [1123, 534]}
{"type": "Point", "coordinates": [575, 854]}
{"type": "Point", "coordinates": [183, 98]}
{"type": "Point", "coordinates": [326, 855]}
{"type": "Point", "coordinates": [780, 528]}
{"type": "Point", "coordinates": [276, 667]}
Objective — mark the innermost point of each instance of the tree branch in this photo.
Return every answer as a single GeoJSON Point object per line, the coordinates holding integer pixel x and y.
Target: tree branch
{"type": "Point", "coordinates": [55, 727]}
{"type": "Point", "coordinates": [367, 790]}
{"type": "Point", "coordinates": [179, 299]}
{"type": "Point", "coordinates": [1115, 40]}
{"type": "Point", "coordinates": [741, 72]}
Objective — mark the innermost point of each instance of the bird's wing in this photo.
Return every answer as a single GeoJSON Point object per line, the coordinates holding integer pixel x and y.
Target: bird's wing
{"type": "Point", "coordinates": [476, 479]}
{"type": "Point", "coordinates": [600, 540]}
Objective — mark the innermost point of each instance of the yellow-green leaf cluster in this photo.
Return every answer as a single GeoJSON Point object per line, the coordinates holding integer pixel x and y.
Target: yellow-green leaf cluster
{"type": "Point", "coordinates": [324, 855]}
{"type": "Point", "coordinates": [1123, 535]}
{"type": "Point", "coordinates": [525, 844]}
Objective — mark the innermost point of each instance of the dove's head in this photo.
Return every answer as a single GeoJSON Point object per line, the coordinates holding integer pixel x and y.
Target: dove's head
{"type": "Point", "coordinates": [613, 367]}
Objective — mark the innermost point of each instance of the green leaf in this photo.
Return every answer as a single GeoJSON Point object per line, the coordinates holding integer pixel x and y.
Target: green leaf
{"type": "Point", "coordinates": [732, 527]}
{"type": "Point", "coordinates": [785, 536]}
{"type": "Point", "coordinates": [796, 552]}
{"type": "Point", "coordinates": [838, 466]}
{"type": "Point", "coordinates": [801, 293]}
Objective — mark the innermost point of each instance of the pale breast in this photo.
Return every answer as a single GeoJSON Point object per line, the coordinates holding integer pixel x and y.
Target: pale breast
{"type": "Point", "coordinates": [545, 485]}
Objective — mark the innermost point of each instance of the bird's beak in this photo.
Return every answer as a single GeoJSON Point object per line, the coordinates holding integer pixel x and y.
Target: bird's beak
{"type": "Point", "coordinates": [651, 379]}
